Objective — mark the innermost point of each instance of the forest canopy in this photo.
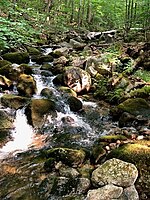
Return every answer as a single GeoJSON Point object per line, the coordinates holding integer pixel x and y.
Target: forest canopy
{"type": "Point", "coordinates": [22, 21]}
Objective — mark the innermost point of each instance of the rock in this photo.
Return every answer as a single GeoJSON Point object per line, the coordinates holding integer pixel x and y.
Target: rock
{"type": "Point", "coordinates": [47, 92]}
{"type": "Point", "coordinates": [77, 79]}
{"type": "Point", "coordinates": [74, 104]}
{"type": "Point", "coordinates": [115, 171]}
{"type": "Point", "coordinates": [70, 157]}
{"type": "Point", "coordinates": [5, 83]}
{"type": "Point", "coordinates": [68, 91]}
{"type": "Point", "coordinates": [10, 72]}
{"type": "Point", "coordinates": [68, 172]}
{"type": "Point", "coordinates": [83, 185]}
{"type": "Point", "coordinates": [33, 51]}
{"type": "Point", "coordinates": [37, 109]}
{"type": "Point", "coordinates": [137, 106]}
{"type": "Point", "coordinates": [129, 193]}
{"type": "Point", "coordinates": [17, 57]}
{"type": "Point", "coordinates": [26, 85]}
{"type": "Point", "coordinates": [4, 62]}
{"type": "Point", "coordinates": [61, 60]}
{"type": "Point", "coordinates": [44, 59]}
{"type": "Point", "coordinates": [6, 122]}
{"type": "Point", "coordinates": [137, 153]}
{"type": "Point", "coordinates": [13, 101]}
{"type": "Point", "coordinates": [63, 51]}
{"type": "Point", "coordinates": [109, 192]}
{"type": "Point", "coordinates": [77, 45]}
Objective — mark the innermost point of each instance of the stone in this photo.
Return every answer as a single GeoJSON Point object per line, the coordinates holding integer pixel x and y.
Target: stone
{"type": "Point", "coordinates": [77, 79]}
{"type": "Point", "coordinates": [26, 85]}
{"type": "Point", "coordinates": [17, 57]}
{"type": "Point", "coordinates": [74, 103]}
{"type": "Point", "coordinates": [115, 171]}
{"type": "Point", "coordinates": [106, 192]}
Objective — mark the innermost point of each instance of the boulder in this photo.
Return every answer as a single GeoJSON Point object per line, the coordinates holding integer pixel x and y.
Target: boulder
{"type": "Point", "coordinates": [10, 72]}
{"type": "Point", "coordinates": [63, 51]}
{"type": "Point", "coordinates": [6, 122]}
{"type": "Point", "coordinates": [44, 59]}
{"type": "Point", "coordinates": [4, 62]}
{"type": "Point", "coordinates": [13, 101]}
{"type": "Point", "coordinates": [70, 157]}
{"type": "Point", "coordinates": [74, 104]}
{"type": "Point", "coordinates": [37, 109]}
{"type": "Point", "coordinates": [77, 45]}
{"type": "Point", "coordinates": [77, 79]}
{"type": "Point", "coordinates": [17, 57]}
{"type": "Point", "coordinates": [26, 85]}
{"type": "Point", "coordinates": [109, 192]}
{"type": "Point", "coordinates": [115, 171]}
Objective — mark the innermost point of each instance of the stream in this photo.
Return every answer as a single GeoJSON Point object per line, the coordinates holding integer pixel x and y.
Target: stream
{"type": "Point", "coordinates": [84, 131]}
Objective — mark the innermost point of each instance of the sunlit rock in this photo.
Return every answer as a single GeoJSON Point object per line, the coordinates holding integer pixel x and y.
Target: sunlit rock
{"type": "Point", "coordinates": [26, 85]}
{"type": "Point", "coordinates": [5, 83]}
{"type": "Point", "coordinates": [77, 79]}
{"type": "Point", "coordinates": [115, 171]}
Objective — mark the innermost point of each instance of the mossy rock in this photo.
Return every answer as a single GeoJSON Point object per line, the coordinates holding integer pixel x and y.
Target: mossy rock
{"type": "Point", "coordinates": [74, 104]}
{"type": "Point", "coordinates": [68, 91]}
{"type": "Point", "coordinates": [137, 106]}
{"type": "Point", "coordinates": [4, 62]}
{"type": "Point", "coordinates": [5, 83]}
{"type": "Point", "coordinates": [49, 164]}
{"type": "Point", "coordinates": [13, 101]}
{"type": "Point", "coordinates": [17, 57]}
{"type": "Point", "coordinates": [70, 157]}
{"type": "Point", "coordinates": [6, 122]}
{"type": "Point", "coordinates": [141, 92]}
{"type": "Point", "coordinates": [26, 69]}
{"type": "Point", "coordinates": [33, 51]}
{"type": "Point", "coordinates": [9, 72]}
{"type": "Point", "coordinates": [58, 80]}
{"type": "Point", "coordinates": [26, 85]}
{"type": "Point", "coordinates": [111, 138]}
{"type": "Point", "coordinates": [44, 58]}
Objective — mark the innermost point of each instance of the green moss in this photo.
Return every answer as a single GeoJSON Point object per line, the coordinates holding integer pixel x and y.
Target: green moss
{"type": "Point", "coordinates": [17, 57]}
{"type": "Point", "coordinates": [112, 138]}
{"type": "Point", "coordinates": [137, 153]}
{"type": "Point", "coordinates": [143, 74]}
{"type": "Point", "coordinates": [4, 62]}
{"type": "Point", "coordinates": [141, 93]}
{"type": "Point", "coordinates": [49, 164]}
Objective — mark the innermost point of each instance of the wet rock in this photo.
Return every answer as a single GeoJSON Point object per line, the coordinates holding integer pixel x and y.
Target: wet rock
{"type": "Point", "coordinates": [26, 85]}
{"type": "Point", "coordinates": [33, 51]}
{"type": "Point", "coordinates": [17, 57]}
{"type": "Point", "coordinates": [5, 83]}
{"type": "Point", "coordinates": [25, 69]}
{"type": "Point", "coordinates": [70, 157]}
{"type": "Point", "coordinates": [47, 92]}
{"type": "Point", "coordinates": [46, 66]}
{"type": "Point", "coordinates": [106, 192]}
{"type": "Point", "coordinates": [77, 79]}
{"type": "Point", "coordinates": [74, 104]}
{"type": "Point", "coordinates": [68, 91]}
{"type": "Point", "coordinates": [58, 80]}
{"type": "Point", "coordinates": [115, 171]}
{"type": "Point", "coordinates": [37, 110]}
{"type": "Point", "coordinates": [44, 58]}
{"type": "Point", "coordinates": [10, 72]}
{"type": "Point", "coordinates": [13, 101]}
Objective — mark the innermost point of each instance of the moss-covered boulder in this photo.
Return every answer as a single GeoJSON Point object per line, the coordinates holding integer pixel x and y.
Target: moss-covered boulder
{"type": "Point", "coordinates": [25, 69]}
{"type": "Point", "coordinates": [13, 101]}
{"type": "Point", "coordinates": [37, 109]}
{"type": "Point", "coordinates": [70, 157]}
{"type": "Point", "coordinates": [137, 106]}
{"type": "Point", "coordinates": [33, 50]}
{"type": "Point", "coordinates": [26, 85]}
{"type": "Point", "coordinates": [143, 92]}
{"type": "Point", "coordinates": [17, 57]}
{"type": "Point", "coordinates": [44, 59]}
{"type": "Point", "coordinates": [68, 91]}
{"type": "Point", "coordinates": [74, 103]}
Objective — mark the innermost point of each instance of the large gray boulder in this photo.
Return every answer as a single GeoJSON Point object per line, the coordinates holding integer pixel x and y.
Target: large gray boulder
{"type": "Point", "coordinates": [115, 171]}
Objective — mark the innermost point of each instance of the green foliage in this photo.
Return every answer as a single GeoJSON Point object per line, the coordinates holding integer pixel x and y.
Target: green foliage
{"type": "Point", "coordinates": [143, 74]}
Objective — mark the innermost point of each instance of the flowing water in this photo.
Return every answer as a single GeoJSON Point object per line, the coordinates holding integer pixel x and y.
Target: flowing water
{"type": "Point", "coordinates": [24, 136]}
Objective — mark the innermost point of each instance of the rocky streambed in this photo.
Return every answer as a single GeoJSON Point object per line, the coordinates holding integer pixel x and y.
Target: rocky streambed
{"type": "Point", "coordinates": [75, 122]}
